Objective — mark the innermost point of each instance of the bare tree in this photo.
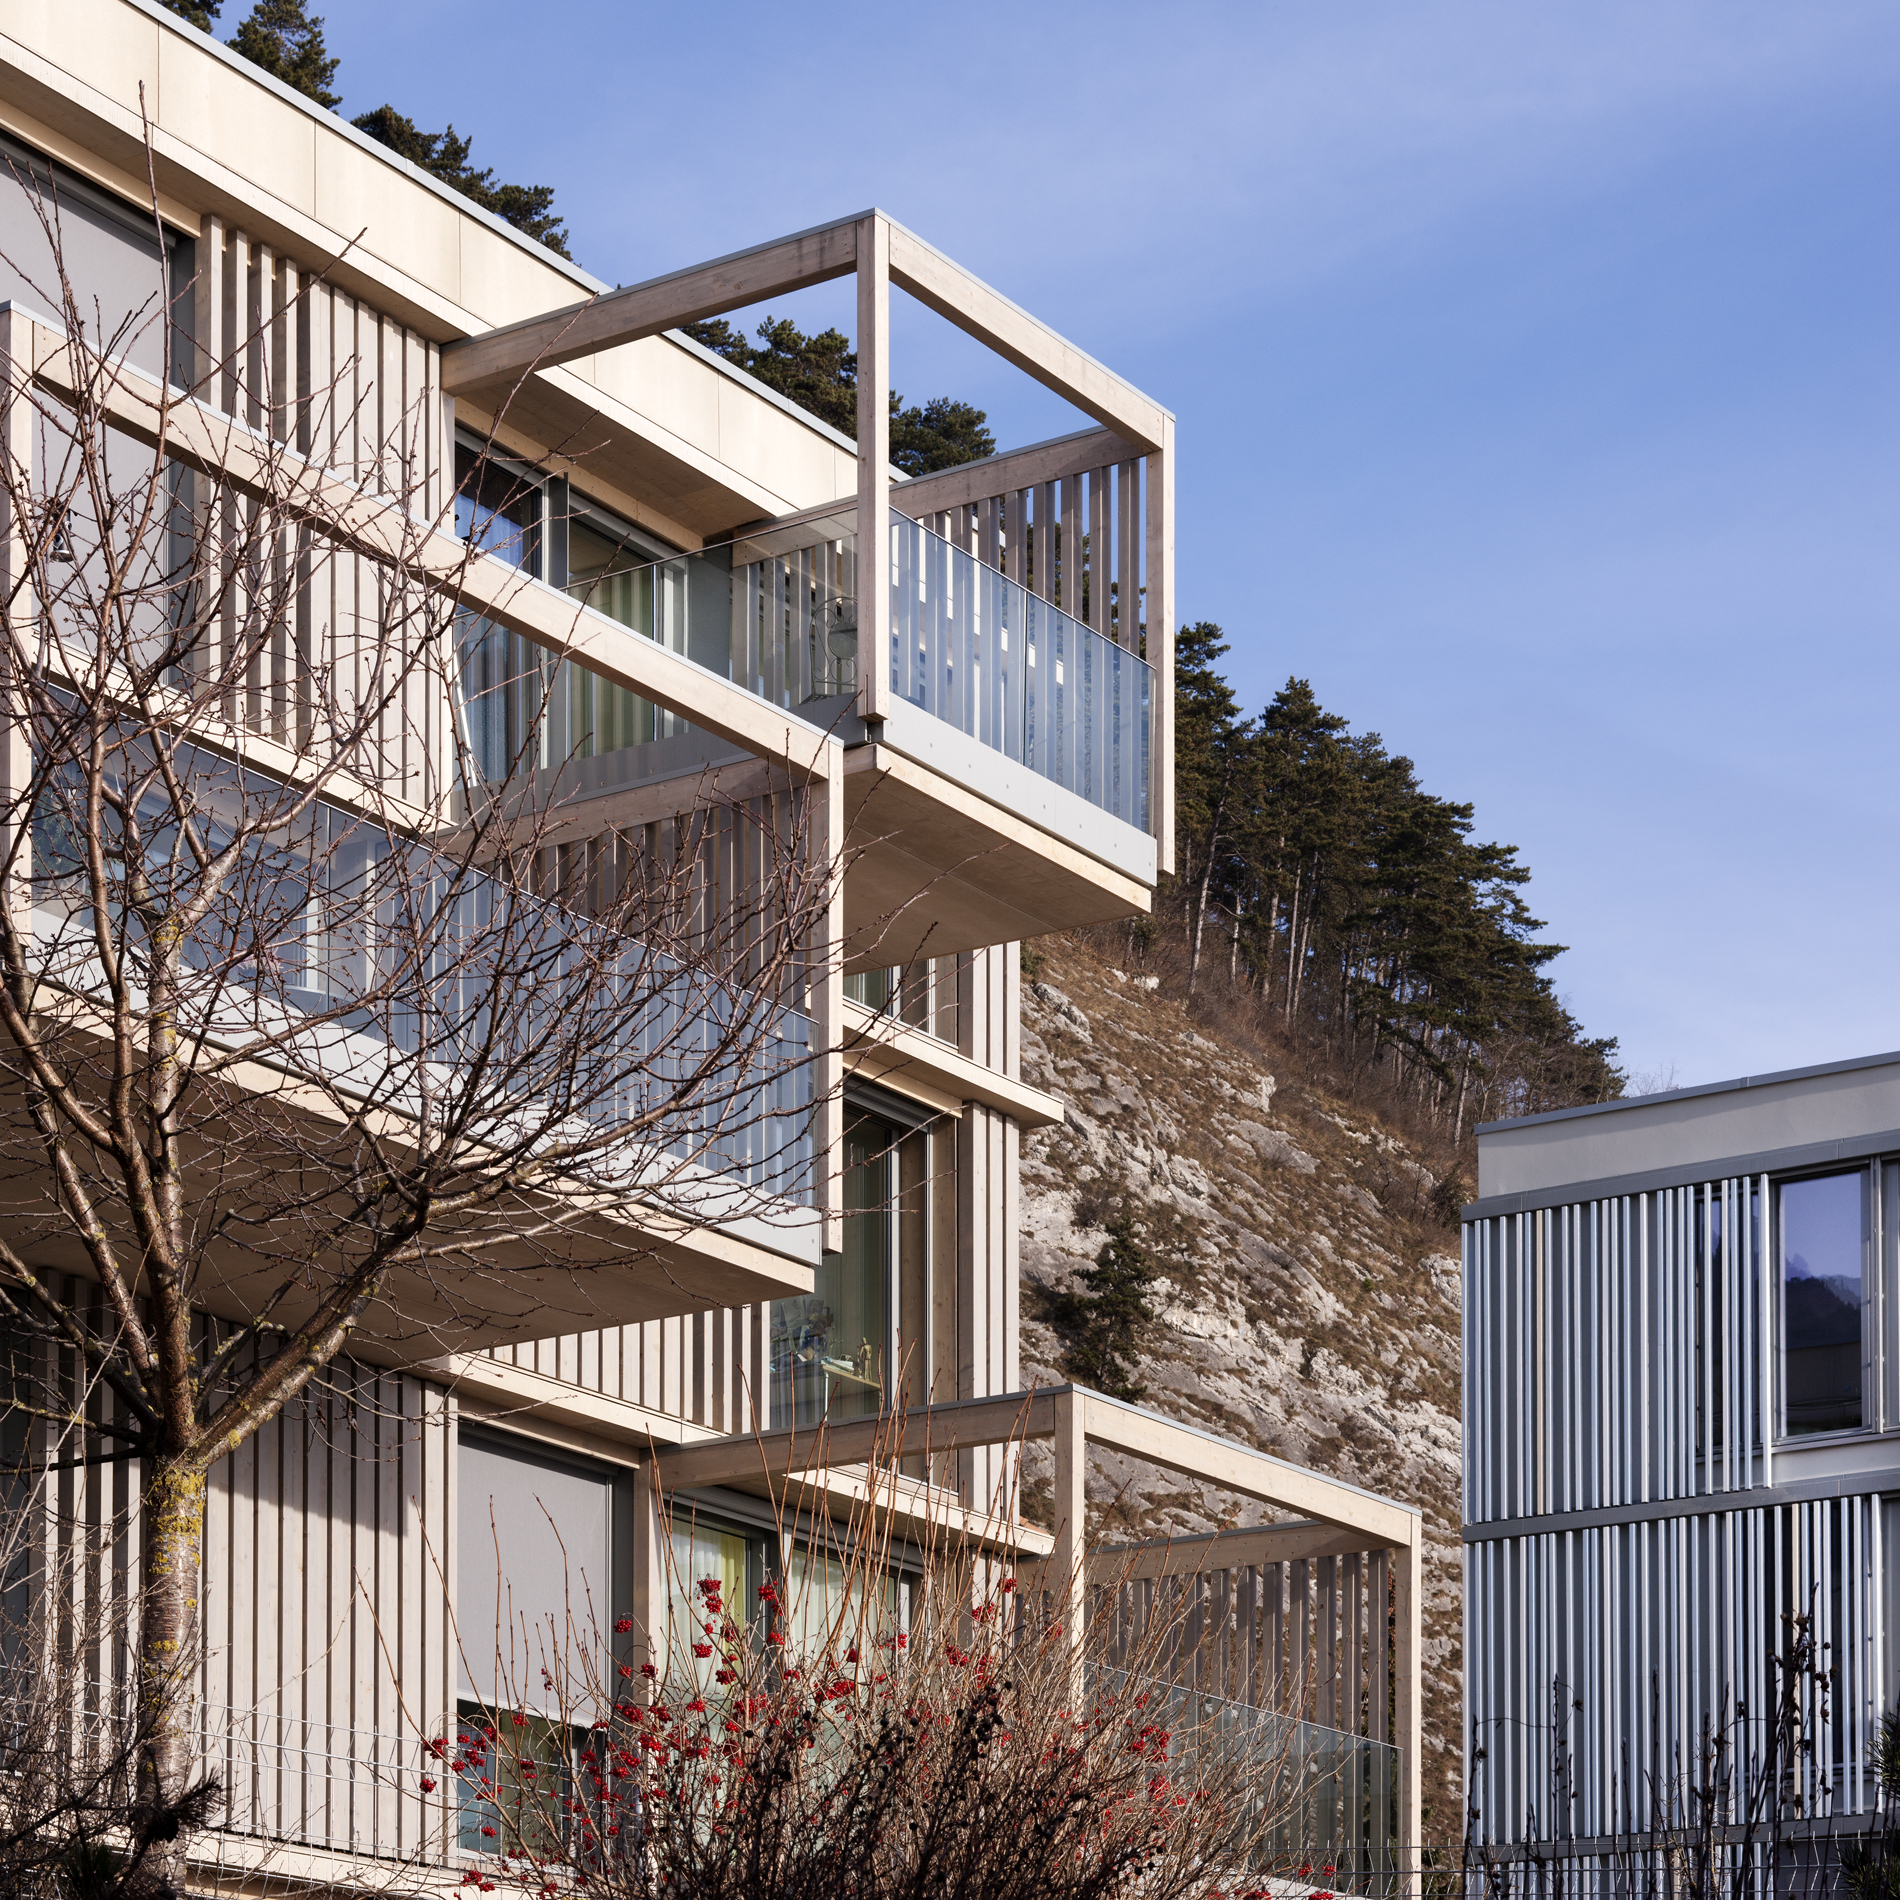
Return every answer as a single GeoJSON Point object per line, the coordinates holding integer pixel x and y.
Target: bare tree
{"type": "Point", "coordinates": [307, 1025]}
{"type": "Point", "coordinates": [836, 1730]}
{"type": "Point", "coordinates": [70, 1735]}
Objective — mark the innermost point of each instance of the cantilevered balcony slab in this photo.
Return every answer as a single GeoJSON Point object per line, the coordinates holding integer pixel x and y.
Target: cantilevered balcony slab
{"type": "Point", "coordinates": [882, 1048]}
{"type": "Point", "coordinates": [939, 865]}
{"type": "Point", "coordinates": [613, 1263]}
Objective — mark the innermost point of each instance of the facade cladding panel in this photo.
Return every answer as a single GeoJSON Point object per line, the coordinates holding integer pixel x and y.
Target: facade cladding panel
{"type": "Point", "coordinates": [1680, 1433]}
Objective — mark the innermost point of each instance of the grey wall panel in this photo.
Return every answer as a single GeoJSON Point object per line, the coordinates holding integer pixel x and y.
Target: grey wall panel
{"type": "Point", "coordinates": [1799, 1111]}
{"type": "Point", "coordinates": [326, 1659]}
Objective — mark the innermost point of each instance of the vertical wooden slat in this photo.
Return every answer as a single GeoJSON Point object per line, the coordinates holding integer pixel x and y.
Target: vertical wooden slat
{"type": "Point", "coordinates": [1101, 549]}
{"type": "Point", "coordinates": [1354, 1721]}
{"type": "Point", "coordinates": [207, 310]}
{"type": "Point", "coordinates": [1128, 555]}
{"type": "Point", "coordinates": [1069, 561]}
{"type": "Point", "coordinates": [1043, 542]}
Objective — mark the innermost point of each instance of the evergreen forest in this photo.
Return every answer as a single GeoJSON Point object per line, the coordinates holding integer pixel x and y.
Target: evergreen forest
{"type": "Point", "coordinates": [1356, 910]}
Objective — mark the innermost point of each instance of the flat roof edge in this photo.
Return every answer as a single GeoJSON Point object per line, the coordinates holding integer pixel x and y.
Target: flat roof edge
{"type": "Point", "coordinates": [177, 23]}
{"type": "Point", "coordinates": [1813, 1070]}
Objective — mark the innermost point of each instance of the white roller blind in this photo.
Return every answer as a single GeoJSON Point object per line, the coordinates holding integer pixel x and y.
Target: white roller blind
{"type": "Point", "coordinates": [532, 1588]}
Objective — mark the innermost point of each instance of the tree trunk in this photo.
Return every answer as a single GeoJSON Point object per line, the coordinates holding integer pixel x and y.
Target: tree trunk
{"type": "Point", "coordinates": [1207, 883]}
{"type": "Point", "coordinates": [168, 1629]}
{"type": "Point", "coordinates": [1292, 937]}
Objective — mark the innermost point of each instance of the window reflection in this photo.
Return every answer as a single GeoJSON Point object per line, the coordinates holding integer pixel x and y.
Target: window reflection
{"type": "Point", "coordinates": [710, 1566]}
{"type": "Point", "coordinates": [831, 1349]}
{"type": "Point", "coordinates": [1821, 1264]}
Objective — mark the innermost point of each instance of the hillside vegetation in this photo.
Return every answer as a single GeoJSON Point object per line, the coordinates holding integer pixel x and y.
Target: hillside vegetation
{"type": "Point", "coordinates": [1248, 1218]}
{"type": "Point", "coordinates": [1306, 1298]}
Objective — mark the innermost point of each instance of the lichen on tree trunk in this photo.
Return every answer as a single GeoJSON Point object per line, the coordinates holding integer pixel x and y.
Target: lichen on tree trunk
{"type": "Point", "coordinates": [168, 1628]}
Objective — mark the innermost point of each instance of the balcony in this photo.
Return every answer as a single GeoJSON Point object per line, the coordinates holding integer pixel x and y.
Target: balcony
{"type": "Point", "coordinates": [393, 972]}
{"type": "Point", "coordinates": [1295, 1644]}
{"type": "Point", "coordinates": [1008, 770]}
{"type": "Point", "coordinates": [1006, 717]}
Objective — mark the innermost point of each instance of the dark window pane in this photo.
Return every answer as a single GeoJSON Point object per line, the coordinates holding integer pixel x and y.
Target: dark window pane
{"type": "Point", "coordinates": [829, 1349]}
{"type": "Point", "coordinates": [1821, 1302]}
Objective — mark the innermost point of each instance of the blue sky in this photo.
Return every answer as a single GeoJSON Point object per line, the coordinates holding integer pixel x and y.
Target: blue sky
{"type": "Point", "coordinates": [1537, 368]}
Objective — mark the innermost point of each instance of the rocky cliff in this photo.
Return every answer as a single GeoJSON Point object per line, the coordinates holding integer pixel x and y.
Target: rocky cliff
{"type": "Point", "coordinates": [1310, 1304]}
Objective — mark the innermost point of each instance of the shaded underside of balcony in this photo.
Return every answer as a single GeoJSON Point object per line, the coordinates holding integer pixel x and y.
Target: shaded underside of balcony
{"type": "Point", "coordinates": [939, 866]}
{"type": "Point", "coordinates": [613, 1260]}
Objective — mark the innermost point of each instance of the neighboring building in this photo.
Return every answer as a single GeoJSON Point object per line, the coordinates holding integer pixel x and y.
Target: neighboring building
{"type": "Point", "coordinates": [1682, 1428]}
{"type": "Point", "coordinates": [342, 1538]}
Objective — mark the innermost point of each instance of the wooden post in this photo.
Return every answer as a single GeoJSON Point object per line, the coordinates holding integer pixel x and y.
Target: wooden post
{"type": "Point", "coordinates": [825, 840]}
{"type": "Point", "coordinates": [1160, 643]}
{"type": "Point", "coordinates": [874, 466]}
{"type": "Point", "coordinates": [648, 1605]}
{"type": "Point", "coordinates": [1407, 1726]}
{"type": "Point", "coordinates": [1067, 1598]}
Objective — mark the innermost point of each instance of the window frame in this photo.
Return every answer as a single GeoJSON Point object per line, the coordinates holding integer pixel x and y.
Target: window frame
{"type": "Point", "coordinates": [1868, 1172]}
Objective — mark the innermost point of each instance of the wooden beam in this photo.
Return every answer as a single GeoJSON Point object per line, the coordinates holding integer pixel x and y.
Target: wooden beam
{"type": "Point", "coordinates": [661, 303]}
{"type": "Point", "coordinates": [873, 250]}
{"type": "Point", "coordinates": [774, 1455]}
{"type": "Point", "coordinates": [1021, 339]}
{"type": "Point", "coordinates": [1066, 1574]}
{"type": "Point", "coordinates": [1232, 1467]}
{"type": "Point", "coordinates": [1222, 1550]}
{"type": "Point", "coordinates": [1374, 1522]}
{"type": "Point", "coordinates": [1158, 605]}
{"type": "Point", "coordinates": [885, 1049]}
{"type": "Point", "coordinates": [1408, 1727]}
{"type": "Point", "coordinates": [1005, 474]}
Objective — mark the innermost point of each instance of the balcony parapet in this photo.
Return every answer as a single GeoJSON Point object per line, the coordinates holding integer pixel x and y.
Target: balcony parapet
{"type": "Point", "coordinates": [1127, 529]}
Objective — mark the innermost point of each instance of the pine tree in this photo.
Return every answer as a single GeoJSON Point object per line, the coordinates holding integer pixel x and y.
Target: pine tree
{"type": "Point", "coordinates": [1212, 762]}
{"type": "Point", "coordinates": [199, 12]}
{"type": "Point", "coordinates": [445, 155]}
{"type": "Point", "coordinates": [1366, 914]}
{"type": "Point", "coordinates": [1105, 1324]}
{"type": "Point", "coordinates": [820, 374]}
{"type": "Point", "coordinates": [287, 43]}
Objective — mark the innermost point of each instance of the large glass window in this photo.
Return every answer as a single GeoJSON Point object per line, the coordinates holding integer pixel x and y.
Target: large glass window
{"type": "Point", "coordinates": [1822, 1250]}
{"type": "Point", "coordinates": [832, 1350]}
{"type": "Point", "coordinates": [614, 569]}
{"type": "Point", "coordinates": [827, 1600]}
{"type": "Point", "coordinates": [503, 677]}
{"type": "Point", "coordinates": [703, 1554]}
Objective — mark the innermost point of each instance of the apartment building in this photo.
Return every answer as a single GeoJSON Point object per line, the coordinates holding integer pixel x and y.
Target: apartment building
{"type": "Point", "coordinates": [666, 590]}
{"type": "Point", "coordinates": [1680, 1437]}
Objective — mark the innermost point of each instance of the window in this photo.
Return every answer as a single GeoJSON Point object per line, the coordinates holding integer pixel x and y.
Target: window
{"type": "Point", "coordinates": [534, 1594]}
{"type": "Point", "coordinates": [498, 508]}
{"type": "Point", "coordinates": [1823, 1222]}
{"type": "Point", "coordinates": [525, 710]}
{"type": "Point", "coordinates": [832, 1349]}
{"type": "Point", "coordinates": [110, 253]}
{"type": "Point", "coordinates": [825, 1599]}
{"type": "Point", "coordinates": [705, 1552]}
